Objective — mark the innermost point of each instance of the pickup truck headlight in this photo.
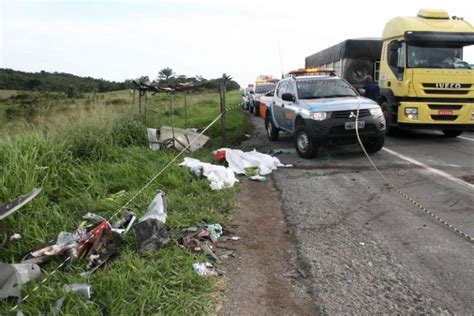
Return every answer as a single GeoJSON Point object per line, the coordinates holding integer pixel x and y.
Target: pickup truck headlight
{"type": "Point", "coordinates": [376, 112]}
{"type": "Point", "coordinates": [318, 116]}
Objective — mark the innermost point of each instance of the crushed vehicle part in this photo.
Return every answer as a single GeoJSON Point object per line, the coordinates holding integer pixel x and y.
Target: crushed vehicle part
{"type": "Point", "coordinates": [151, 231]}
{"type": "Point", "coordinates": [98, 244]}
{"type": "Point", "coordinates": [15, 205]}
{"type": "Point", "coordinates": [12, 276]}
{"type": "Point", "coordinates": [220, 177]}
{"type": "Point", "coordinates": [206, 269]}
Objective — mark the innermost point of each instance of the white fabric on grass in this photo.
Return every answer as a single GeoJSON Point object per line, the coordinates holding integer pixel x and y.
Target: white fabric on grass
{"type": "Point", "coordinates": [219, 176]}
{"type": "Point", "coordinates": [239, 160]}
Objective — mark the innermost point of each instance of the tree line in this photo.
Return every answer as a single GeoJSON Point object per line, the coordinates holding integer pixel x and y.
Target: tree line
{"type": "Point", "coordinates": [73, 86]}
{"type": "Point", "coordinates": [57, 82]}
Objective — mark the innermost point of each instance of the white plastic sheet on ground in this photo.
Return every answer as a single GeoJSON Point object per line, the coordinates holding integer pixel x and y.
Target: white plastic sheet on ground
{"type": "Point", "coordinates": [239, 160]}
{"type": "Point", "coordinates": [219, 176]}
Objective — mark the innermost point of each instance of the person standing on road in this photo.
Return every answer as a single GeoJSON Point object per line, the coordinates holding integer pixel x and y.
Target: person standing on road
{"type": "Point", "coordinates": [372, 90]}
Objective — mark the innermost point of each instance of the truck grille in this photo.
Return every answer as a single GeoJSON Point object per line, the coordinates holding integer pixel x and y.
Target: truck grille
{"type": "Point", "coordinates": [432, 89]}
{"type": "Point", "coordinates": [444, 117]}
{"type": "Point", "coordinates": [346, 114]}
{"type": "Point", "coordinates": [444, 106]}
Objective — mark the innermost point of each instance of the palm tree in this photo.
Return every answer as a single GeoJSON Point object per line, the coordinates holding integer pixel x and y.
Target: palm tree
{"type": "Point", "coordinates": [166, 74]}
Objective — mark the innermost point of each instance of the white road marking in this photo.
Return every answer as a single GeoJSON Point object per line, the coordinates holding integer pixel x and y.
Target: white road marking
{"type": "Point", "coordinates": [430, 169]}
{"type": "Point", "coordinates": [466, 138]}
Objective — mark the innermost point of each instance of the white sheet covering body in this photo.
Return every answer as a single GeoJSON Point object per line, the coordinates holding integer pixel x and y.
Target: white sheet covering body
{"type": "Point", "coordinates": [239, 160]}
{"type": "Point", "coordinates": [219, 176]}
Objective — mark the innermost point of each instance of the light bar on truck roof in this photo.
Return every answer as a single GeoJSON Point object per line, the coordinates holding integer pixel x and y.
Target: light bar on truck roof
{"type": "Point", "coordinates": [310, 71]}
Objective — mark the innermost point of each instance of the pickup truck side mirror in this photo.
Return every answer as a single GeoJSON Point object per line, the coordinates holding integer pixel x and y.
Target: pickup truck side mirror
{"type": "Point", "coordinates": [361, 91]}
{"type": "Point", "coordinates": [288, 97]}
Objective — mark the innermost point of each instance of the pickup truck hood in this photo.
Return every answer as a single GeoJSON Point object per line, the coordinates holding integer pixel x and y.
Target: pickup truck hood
{"type": "Point", "coordinates": [337, 104]}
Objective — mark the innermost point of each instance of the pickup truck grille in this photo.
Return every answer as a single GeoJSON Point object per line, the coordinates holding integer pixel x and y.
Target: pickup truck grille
{"type": "Point", "coordinates": [346, 114]}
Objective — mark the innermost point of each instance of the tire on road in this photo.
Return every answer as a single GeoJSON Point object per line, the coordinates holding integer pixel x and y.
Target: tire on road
{"type": "Point", "coordinates": [273, 132]}
{"type": "Point", "coordinates": [305, 146]}
{"type": "Point", "coordinates": [451, 133]}
{"type": "Point", "coordinates": [374, 144]}
{"type": "Point", "coordinates": [387, 113]}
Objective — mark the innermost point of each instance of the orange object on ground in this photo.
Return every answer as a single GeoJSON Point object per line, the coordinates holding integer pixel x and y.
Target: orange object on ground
{"type": "Point", "coordinates": [220, 155]}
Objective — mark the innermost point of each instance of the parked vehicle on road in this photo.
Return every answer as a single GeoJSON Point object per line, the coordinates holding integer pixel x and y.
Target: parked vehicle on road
{"type": "Point", "coordinates": [263, 85]}
{"type": "Point", "coordinates": [245, 99]}
{"type": "Point", "coordinates": [424, 81]}
{"type": "Point", "coordinates": [321, 109]}
{"type": "Point", "coordinates": [265, 103]}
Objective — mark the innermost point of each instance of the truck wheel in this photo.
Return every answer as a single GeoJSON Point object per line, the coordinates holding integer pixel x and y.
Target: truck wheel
{"type": "Point", "coordinates": [389, 129]}
{"type": "Point", "coordinates": [272, 132]}
{"type": "Point", "coordinates": [451, 133]}
{"type": "Point", "coordinates": [357, 71]}
{"type": "Point", "coordinates": [374, 144]}
{"type": "Point", "coordinates": [305, 146]}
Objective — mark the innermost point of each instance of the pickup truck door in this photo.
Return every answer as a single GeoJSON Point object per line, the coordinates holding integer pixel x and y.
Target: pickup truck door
{"type": "Point", "coordinates": [278, 103]}
{"type": "Point", "coordinates": [290, 108]}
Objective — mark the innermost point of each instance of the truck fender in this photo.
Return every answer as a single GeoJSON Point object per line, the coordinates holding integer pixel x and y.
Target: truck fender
{"type": "Point", "coordinates": [270, 113]}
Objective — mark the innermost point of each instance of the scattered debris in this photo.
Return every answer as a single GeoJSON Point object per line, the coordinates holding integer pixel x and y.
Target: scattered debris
{"type": "Point", "coordinates": [196, 238]}
{"type": "Point", "coordinates": [219, 176]}
{"type": "Point", "coordinates": [258, 178]}
{"type": "Point", "coordinates": [214, 230]}
{"type": "Point", "coordinates": [153, 139]}
{"type": "Point", "coordinates": [279, 151]}
{"type": "Point", "coordinates": [83, 289]}
{"type": "Point", "coordinates": [206, 269]}
{"type": "Point", "coordinates": [15, 237]}
{"type": "Point", "coordinates": [15, 205]}
{"type": "Point", "coordinates": [99, 243]}
{"type": "Point", "coordinates": [151, 230]}
{"type": "Point", "coordinates": [12, 276]}
{"type": "Point", "coordinates": [181, 138]}
{"type": "Point", "coordinates": [251, 171]}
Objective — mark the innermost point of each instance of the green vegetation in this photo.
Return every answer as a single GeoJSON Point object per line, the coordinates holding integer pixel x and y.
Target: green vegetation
{"type": "Point", "coordinates": [91, 155]}
{"type": "Point", "coordinates": [56, 81]}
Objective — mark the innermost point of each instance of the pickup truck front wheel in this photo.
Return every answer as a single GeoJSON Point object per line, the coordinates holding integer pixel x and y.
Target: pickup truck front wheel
{"type": "Point", "coordinates": [272, 131]}
{"type": "Point", "coordinates": [305, 146]}
{"type": "Point", "coordinates": [374, 144]}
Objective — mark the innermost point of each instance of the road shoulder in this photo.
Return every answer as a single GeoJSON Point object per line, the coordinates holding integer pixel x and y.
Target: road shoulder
{"type": "Point", "coordinates": [259, 277]}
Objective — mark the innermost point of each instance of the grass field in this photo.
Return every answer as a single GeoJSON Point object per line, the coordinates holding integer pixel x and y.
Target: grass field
{"type": "Point", "coordinates": [91, 155]}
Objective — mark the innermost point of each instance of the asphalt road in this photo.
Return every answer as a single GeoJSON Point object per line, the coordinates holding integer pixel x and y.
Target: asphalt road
{"type": "Point", "coordinates": [365, 248]}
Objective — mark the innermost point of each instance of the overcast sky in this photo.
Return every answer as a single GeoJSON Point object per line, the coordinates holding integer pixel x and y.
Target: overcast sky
{"type": "Point", "coordinates": [119, 40]}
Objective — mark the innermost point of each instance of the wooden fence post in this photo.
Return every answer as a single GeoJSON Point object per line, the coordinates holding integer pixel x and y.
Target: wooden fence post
{"type": "Point", "coordinates": [223, 85]}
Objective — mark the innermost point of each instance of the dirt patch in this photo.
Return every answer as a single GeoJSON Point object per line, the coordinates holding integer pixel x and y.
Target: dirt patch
{"type": "Point", "coordinates": [256, 278]}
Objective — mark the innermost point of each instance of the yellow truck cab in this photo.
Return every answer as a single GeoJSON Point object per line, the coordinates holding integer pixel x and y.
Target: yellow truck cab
{"type": "Point", "coordinates": [424, 81]}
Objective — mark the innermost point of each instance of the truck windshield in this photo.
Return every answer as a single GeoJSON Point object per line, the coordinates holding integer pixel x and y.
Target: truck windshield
{"type": "Point", "coordinates": [436, 57]}
{"type": "Point", "coordinates": [264, 88]}
{"type": "Point", "coordinates": [316, 89]}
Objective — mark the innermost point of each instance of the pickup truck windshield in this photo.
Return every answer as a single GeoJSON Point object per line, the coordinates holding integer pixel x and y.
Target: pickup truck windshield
{"type": "Point", "coordinates": [436, 57]}
{"type": "Point", "coordinates": [316, 89]}
{"type": "Point", "coordinates": [264, 88]}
